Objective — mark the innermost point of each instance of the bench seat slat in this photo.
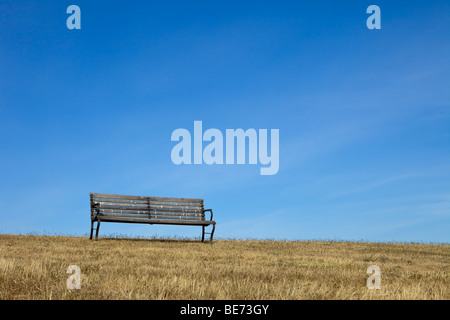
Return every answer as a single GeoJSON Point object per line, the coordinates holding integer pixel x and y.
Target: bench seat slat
{"type": "Point", "coordinates": [190, 222]}
{"type": "Point", "coordinates": [140, 216]}
{"type": "Point", "coordinates": [123, 219]}
{"type": "Point", "coordinates": [154, 221]}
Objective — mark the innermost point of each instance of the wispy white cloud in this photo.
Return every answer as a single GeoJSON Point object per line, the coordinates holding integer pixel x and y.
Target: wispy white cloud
{"type": "Point", "coordinates": [371, 186]}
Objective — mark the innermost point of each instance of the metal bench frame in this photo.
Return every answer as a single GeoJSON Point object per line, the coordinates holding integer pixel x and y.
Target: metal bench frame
{"type": "Point", "coordinates": [149, 210]}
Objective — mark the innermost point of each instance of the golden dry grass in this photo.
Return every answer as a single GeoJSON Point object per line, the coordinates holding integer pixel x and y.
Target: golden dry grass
{"type": "Point", "coordinates": [34, 267]}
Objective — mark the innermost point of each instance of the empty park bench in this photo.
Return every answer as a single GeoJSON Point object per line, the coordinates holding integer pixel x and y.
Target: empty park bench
{"type": "Point", "coordinates": [150, 210]}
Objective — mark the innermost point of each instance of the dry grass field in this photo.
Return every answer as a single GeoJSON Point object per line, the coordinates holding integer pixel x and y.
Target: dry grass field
{"type": "Point", "coordinates": [34, 267]}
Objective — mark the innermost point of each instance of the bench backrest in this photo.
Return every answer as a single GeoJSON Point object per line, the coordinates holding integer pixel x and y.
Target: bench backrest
{"type": "Point", "coordinates": [138, 207]}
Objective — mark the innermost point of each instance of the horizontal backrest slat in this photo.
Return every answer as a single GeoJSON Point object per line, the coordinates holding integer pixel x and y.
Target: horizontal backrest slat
{"type": "Point", "coordinates": [103, 205]}
{"type": "Point", "coordinates": [175, 214]}
{"type": "Point", "coordinates": [176, 204]}
{"type": "Point", "coordinates": [171, 209]}
{"type": "Point", "coordinates": [183, 200]}
{"type": "Point", "coordinates": [124, 207]}
{"type": "Point", "coordinates": [141, 198]}
{"type": "Point", "coordinates": [153, 216]}
{"type": "Point", "coordinates": [121, 202]}
{"type": "Point", "coordinates": [117, 196]}
{"type": "Point", "coordinates": [123, 211]}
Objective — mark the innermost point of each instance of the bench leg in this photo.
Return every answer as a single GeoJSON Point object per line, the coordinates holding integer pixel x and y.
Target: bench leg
{"type": "Point", "coordinates": [212, 233]}
{"type": "Point", "coordinates": [92, 230]}
{"type": "Point", "coordinates": [96, 232]}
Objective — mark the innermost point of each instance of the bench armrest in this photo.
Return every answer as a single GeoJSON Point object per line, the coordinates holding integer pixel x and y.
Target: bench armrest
{"type": "Point", "coordinates": [210, 210]}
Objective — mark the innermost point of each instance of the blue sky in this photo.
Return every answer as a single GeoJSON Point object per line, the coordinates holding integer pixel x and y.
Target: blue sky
{"type": "Point", "coordinates": [364, 115]}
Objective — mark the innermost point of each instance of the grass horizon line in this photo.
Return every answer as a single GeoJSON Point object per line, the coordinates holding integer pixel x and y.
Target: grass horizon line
{"type": "Point", "coordinates": [193, 238]}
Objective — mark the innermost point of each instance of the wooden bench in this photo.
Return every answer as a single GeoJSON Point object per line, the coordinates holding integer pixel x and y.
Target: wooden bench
{"type": "Point", "coordinates": [150, 210]}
